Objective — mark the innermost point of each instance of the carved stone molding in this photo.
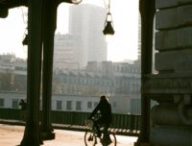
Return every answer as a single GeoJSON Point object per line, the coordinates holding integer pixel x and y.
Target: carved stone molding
{"type": "Point", "coordinates": [167, 85]}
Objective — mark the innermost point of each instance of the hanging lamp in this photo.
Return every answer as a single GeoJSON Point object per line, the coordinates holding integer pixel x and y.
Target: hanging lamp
{"type": "Point", "coordinates": [108, 27]}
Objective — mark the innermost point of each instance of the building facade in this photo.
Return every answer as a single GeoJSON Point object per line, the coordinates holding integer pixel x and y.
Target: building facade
{"type": "Point", "coordinates": [87, 22]}
{"type": "Point", "coordinates": [66, 52]}
{"type": "Point", "coordinates": [118, 81]}
{"type": "Point", "coordinates": [66, 102]}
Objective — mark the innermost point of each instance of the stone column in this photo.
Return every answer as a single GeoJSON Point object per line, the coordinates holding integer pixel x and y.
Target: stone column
{"type": "Point", "coordinates": [171, 88]}
{"type": "Point", "coordinates": [31, 134]}
{"type": "Point", "coordinates": [48, 46]}
{"type": "Point", "coordinates": [147, 10]}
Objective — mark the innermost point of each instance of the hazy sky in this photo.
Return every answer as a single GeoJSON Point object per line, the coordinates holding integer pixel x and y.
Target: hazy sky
{"type": "Point", "coordinates": [122, 46]}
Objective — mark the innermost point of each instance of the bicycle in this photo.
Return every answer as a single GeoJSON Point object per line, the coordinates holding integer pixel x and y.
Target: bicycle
{"type": "Point", "coordinates": [91, 137]}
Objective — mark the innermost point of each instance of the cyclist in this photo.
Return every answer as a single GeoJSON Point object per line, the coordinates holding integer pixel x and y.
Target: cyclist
{"type": "Point", "coordinates": [105, 118]}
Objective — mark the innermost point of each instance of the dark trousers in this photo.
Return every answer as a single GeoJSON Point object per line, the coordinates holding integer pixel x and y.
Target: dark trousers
{"type": "Point", "coordinates": [102, 122]}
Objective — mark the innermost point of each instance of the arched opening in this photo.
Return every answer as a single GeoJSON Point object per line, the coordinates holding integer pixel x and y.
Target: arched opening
{"type": "Point", "coordinates": [98, 67]}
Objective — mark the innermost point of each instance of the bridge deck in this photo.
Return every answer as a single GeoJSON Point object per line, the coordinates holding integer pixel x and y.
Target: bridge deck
{"type": "Point", "coordinates": [11, 135]}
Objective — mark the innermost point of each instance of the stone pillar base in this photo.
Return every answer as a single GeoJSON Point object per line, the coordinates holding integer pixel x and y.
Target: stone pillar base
{"type": "Point", "coordinates": [47, 135]}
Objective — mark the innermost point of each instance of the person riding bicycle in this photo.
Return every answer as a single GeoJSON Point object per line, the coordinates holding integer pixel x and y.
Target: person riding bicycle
{"type": "Point", "coordinates": [105, 118]}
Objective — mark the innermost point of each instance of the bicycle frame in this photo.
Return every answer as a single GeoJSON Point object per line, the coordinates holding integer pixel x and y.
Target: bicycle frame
{"type": "Point", "coordinates": [91, 136]}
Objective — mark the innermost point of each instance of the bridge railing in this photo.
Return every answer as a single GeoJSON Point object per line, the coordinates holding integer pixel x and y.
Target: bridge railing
{"type": "Point", "coordinates": [121, 122]}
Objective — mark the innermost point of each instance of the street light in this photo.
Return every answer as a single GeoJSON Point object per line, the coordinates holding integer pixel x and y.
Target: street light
{"type": "Point", "coordinates": [108, 28]}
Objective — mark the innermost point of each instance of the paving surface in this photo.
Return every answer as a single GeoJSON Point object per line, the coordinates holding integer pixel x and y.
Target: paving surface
{"type": "Point", "coordinates": [11, 135]}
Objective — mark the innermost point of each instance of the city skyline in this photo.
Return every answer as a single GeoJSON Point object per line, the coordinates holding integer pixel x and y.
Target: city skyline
{"type": "Point", "coordinates": [123, 46]}
{"type": "Point", "coordinates": [81, 43]}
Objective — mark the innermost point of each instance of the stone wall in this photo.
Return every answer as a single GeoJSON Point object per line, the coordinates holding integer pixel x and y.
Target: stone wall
{"type": "Point", "coordinates": [171, 87]}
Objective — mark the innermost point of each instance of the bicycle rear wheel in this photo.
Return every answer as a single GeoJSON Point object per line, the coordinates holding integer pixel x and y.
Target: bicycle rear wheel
{"type": "Point", "coordinates": [106, 142]}
{"type": "Point", "coordinates": [90, 139]}
{"type": "Point", "coordinates": [113, 141]}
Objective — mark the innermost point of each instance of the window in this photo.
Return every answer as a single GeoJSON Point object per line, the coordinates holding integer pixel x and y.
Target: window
{"type": "Point", "coordinates": [89, 105]}
{"type": "Point", "coordinates": [1, 102]}
{"type": "Point", "coordinates": [114, 104]}
{"type": "Point", "coordinates": [69, 105]}
{"type": "Point", "coordinates": [59, 105]}
{"type": "Point", "coordinates": [15, 103]}
{"type": "Point", "coordinates": [78, 105]}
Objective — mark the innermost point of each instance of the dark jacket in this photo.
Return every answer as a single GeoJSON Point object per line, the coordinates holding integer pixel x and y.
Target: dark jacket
{"type": "Point", "coordinates": [105, 110]}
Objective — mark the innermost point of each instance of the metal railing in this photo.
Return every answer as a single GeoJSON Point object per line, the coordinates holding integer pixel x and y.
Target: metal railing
{"type": "Point", "coordinates": [122, 123]}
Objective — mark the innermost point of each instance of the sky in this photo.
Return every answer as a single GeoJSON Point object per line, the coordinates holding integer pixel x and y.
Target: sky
{"type": "Point", "coordinates": [122, 45]}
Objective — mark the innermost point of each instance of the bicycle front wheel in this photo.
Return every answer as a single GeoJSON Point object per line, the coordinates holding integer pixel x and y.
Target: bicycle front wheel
{"type": "Point", "coordinates": [90, 139]}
